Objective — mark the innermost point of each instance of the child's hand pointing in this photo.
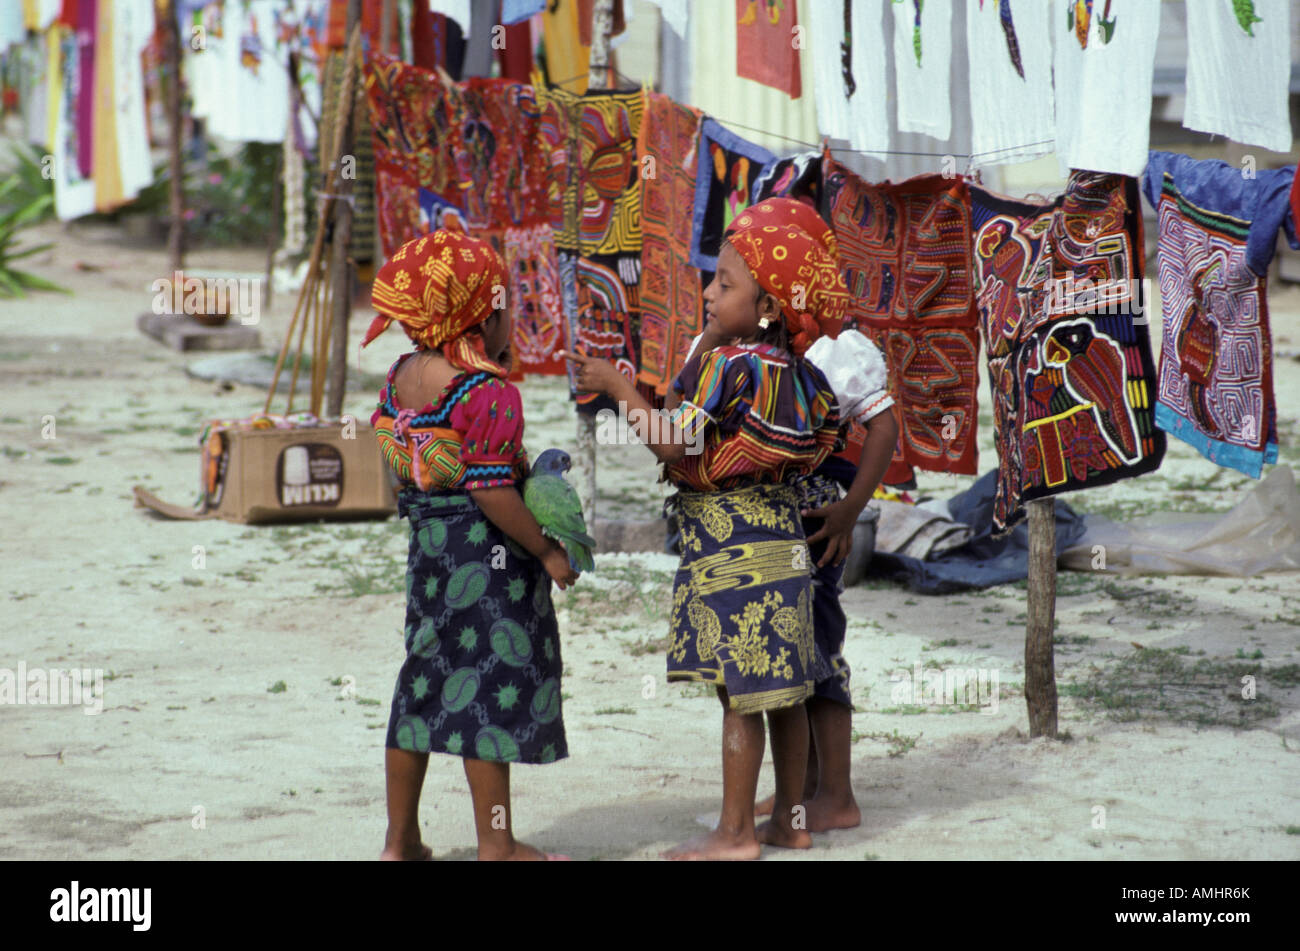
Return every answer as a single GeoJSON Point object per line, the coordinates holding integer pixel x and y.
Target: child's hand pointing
{"type": "Point", "coordinates": [593, 375]}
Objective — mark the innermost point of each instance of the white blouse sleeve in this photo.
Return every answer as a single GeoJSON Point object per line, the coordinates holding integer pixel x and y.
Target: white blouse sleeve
{"type": "Point", "coordinates": [855, 369]}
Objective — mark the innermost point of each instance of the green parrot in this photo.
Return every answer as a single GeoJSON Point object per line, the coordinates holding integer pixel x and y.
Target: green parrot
{"type": "Point", "coordinates": [555, 505]}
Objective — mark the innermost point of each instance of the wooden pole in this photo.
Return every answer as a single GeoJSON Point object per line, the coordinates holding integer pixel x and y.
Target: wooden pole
{"type": "Point", "coordinates": [598, 77]}
{"type": "Point", "coordinates": [1040, 666]}
{"type": "Point", "coordinates": [176, 195]}
{"type": "Point", "coordinates": [386, 27]}
{"type": "Point", "coordinates": [340, 267]}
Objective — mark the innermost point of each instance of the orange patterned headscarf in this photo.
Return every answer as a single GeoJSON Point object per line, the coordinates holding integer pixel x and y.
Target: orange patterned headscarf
{"type": "Point", "coordinates": [438, 286]}
{"type": "Point", "coordinates": [793, 255]}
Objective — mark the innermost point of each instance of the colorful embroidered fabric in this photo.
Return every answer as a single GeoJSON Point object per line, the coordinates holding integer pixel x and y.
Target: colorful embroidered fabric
{"type": "Point", "coordinates": [411, 113]}
{"type": "Point", "coordinates": [799, 177]}
{"type": "Point", "coordinates": [470, 151]}
{"type": "Point", "coordinates": [594, 193]}
{"type": "Point", "coordinates": [1217, 235]}
{"type": "Point", "coordinates": [742, 606]}
{"type": "Point", "coordinates": [762, 418]}
{"type": "Point", "coordinates": [1069, 365]}
{"type": "Point", "coordinates": [672, 311]}
{"type": "Point", "coordinates": [470, 437]}
{"type": "Point", "coordinates": [500, 174]}
{"type": "Point", "coordinates": [765, 49]}
{"type": "Point", "coordinates": [905, 253]}
{"type": "Point", "coordinates": [481, 678]}
{"type": "Point", "coordinates": [593, 187]}
{"type": "Point", "coordinates": [726, 170]}
{"type": "Point", "coordinates": [535, 293]}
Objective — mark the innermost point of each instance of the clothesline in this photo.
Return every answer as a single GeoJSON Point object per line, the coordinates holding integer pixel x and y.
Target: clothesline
{"type": "Point", "coordinates": [813, 146]}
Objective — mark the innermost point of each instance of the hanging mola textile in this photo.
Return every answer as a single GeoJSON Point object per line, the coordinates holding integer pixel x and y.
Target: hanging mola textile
{"type": "Point", "coordinates": [594, 205]}
{"type": "Point", "coordinates": [1069, 358]}
{"type": "Point", "coordinates": [768, 42]}
{"type": "Point", "coordinates": [671, 302]}
{"type": "Point", "coordinates": [728, 167]}
{"type": "Point", "coordinates": [1218, 231]}
{"type": "Point", "coordinates": [905, 253]}
{"type": "Point", "coordinates": [471, 150]}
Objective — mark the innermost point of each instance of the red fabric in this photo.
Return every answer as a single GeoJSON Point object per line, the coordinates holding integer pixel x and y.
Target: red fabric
{"type": "Point", "coordinates": [1295, 201]}
{"type": "Point", "coordinates": [492, 419]}
{"type": "Point", "coordinates": [765, 50]}
{"type": "Point", "coordinates": [426, 27]}
{"type": "Point", "coordinates": [516, 56]}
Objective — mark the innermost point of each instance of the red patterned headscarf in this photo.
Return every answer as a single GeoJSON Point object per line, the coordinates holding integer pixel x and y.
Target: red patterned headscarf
{"type": "Point", "coordinates": [437, 287]}
{"type": "Point", "coordinates": [793, 255]}
{"type": "Point", "coordinates": [788, 211]}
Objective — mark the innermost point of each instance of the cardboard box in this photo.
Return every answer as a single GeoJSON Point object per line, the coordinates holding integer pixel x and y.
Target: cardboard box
{"type": "Point", "coordinates": [286, 475]}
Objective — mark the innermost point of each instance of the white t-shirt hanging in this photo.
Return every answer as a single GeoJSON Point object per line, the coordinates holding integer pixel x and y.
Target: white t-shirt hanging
{"type": "Point", "coordinates": [869, 106]}
{"type": "Point", "coordinates": [133, 29]}
{"type": "Point", "coordinates": [252, 69]}
{"type": "Point", "coordinates": [825, 34]}
{"type": "Point", "coordinates": [922, 55]}
{"type": "Point", "coordinates": [1104, 67]}
{"type": "Point", "coordinates": [1012, 116]}
{"type": "Point", "coordinates": [1239, 71]}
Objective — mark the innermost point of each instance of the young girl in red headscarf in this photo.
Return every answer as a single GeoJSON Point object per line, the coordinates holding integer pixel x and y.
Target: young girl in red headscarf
{"type": "Point", "coordinates": [481, 678]}
{"type": "Point", "coordinates": [856, 370]}
{"type": "Point", "coordinates": [742, 598]}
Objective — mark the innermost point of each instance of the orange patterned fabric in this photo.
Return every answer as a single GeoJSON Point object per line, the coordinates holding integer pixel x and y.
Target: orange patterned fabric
{"type": "Point", "coordinates": [438, 286]}
{"type": "Point", "coordinates": [797, 268]}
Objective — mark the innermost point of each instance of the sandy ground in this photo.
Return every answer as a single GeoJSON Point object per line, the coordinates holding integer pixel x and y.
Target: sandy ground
{"type": "Point", "coordinates": [198, 755]}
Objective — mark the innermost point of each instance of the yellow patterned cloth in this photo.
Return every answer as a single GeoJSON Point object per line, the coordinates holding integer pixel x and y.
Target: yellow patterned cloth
{"type": "Point", "coordinates": [742, 597]}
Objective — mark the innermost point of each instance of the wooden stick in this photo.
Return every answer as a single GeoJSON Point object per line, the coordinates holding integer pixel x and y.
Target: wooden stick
{"type": "Point", "coordinates": [584, 460]}
{"type": "Point", "coordinates": [176, 195]}
{"type": "Point", "coordinates": [340, 266]}
{"type": "Point", "coordinates": [1040, 668]}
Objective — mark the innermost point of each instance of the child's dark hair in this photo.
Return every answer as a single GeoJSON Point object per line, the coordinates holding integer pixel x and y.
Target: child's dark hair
{"type": "Point", "coordinates": [777, 334]}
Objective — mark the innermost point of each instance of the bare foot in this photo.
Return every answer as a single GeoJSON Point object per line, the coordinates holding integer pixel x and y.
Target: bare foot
{"type": "Point", "coordinates": [764, 807]}
{"type": "Point", "coordinates": [411, 852]}
{"type": "Point", "coordinates": [783, 837]}
{"type": "Point", "coordinates": [824, 815]}
{"type": "Point", "coordinates": [717, 846]}
{"type": "Point", "coordinates": [517, 852]}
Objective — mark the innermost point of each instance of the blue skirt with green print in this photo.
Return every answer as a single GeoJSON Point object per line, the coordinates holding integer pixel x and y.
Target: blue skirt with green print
{"type": "Point", "coordinates": [482, 673]}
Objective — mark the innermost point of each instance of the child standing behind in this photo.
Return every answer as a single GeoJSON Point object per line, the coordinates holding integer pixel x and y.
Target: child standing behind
{"type": "Point", "coordinates": [856, 371]}
{"type": "Point", "coordinates": [481, 678]}
{"type": "Point", "coordinates": [742, 598]}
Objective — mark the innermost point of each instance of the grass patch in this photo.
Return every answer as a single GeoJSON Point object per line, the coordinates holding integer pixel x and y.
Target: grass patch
{"type": "Point", "coordinates": [615, 711]}
{"type": "Point", "coordinates": [1156, 684]}
{"type": "Point", "coordinates": [60, 460]}
{"type": "Point", "coordinates": [278, 687]}
{"type": "Point", "coordinates": [900, 744]}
